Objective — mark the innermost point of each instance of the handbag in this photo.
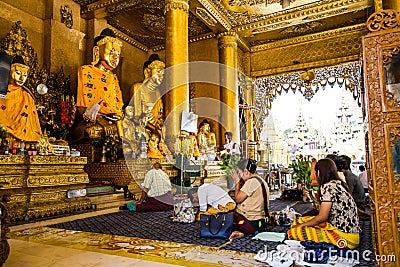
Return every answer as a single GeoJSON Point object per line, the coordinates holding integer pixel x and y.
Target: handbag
{"type": "Point", "coordinates": [183, 210]}
{"type": "Point", "coordinates": [216, 226]}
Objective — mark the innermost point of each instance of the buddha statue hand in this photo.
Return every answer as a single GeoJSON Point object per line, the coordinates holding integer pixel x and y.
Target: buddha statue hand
{"type": "Point", "coordinates": [112, 117]}
{"type": "Point", "coordinates": [91, 112]}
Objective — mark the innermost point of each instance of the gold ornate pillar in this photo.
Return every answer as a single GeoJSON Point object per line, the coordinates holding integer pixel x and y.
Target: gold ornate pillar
{"type": "Point", "coordinates": [250, 118]}
{"type": "Point", "coordinates": [391, 4]}
{"type": "Point", "coordinates": [227, 45]}
{"type": "Point", "coordinates": [176, 76]}
{"type": "Point", "coordinates": [378, 5]}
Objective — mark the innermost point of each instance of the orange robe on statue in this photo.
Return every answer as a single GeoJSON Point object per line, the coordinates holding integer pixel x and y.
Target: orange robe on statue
{"type": "Point", "coordinates": [18, 114]}
{"type": "Point", "coordinates": [95, 85]}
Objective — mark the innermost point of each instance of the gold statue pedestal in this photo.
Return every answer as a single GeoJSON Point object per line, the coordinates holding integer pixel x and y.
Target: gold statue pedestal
{"type": "Point", "coordinates": [37, 185]}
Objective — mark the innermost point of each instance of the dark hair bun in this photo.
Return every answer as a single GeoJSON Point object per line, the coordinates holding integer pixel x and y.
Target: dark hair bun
{"type": "Point", "coordinates": [251, 165]}
{"type": "Point", "coordinates": [105, 32]}
{"type": "Point", "coordinates": [18, 59]}
{"type": "Point", "coordinates": [108, 32]}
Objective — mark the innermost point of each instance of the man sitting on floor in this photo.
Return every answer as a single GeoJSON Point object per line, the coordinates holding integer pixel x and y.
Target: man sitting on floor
{"type": "Point", "coordinates": [156, 192]}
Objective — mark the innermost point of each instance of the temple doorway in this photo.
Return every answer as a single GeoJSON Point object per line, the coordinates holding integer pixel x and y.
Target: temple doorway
{"type": "Point", "coordinates": [330, 122]}
{"type": "Point", "coordinates": [312, 113]}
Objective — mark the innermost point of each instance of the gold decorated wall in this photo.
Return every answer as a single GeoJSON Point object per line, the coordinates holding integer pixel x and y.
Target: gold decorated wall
{"type": "Point", "coordinates": [244, 62]}
{"type": "Point", "coordinates": [63, 47]}
{"type": "Point", "coordinates": [31, 15]}
{"type": "Point", "coordinates": [311, 51]}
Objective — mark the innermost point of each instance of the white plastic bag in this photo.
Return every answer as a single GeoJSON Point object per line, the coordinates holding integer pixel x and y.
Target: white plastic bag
{"type": "Point", "coordinates": [291, 214]}
{"type": "Point", "coordinates": [183, 209]}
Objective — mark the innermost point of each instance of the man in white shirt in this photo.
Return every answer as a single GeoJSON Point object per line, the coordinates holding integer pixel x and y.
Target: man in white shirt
{"type": "Point", "coordinates": [210, 195]}
{"type": "Point", "coordinates": [231, 147]}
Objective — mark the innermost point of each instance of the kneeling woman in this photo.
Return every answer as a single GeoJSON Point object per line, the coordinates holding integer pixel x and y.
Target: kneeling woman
{"type": "Point", "coordinates": [337, 221]}
{"type": "Point", "coordinates": [252, 198]}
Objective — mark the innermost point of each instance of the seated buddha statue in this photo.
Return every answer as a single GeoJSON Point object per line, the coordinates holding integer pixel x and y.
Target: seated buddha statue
{"type": "Point", "coordinates": [153, 151]}
{"type": "Point", "coordinates": [18, 110]}
{"type": "Point", "coordinates": [99, 97]}
{"type": "Point", "coordinates": [133, 132]}
{"type": "Point", "coordinates": [206, 140]}
{"type": "Point", "coordinates": [147, 102]}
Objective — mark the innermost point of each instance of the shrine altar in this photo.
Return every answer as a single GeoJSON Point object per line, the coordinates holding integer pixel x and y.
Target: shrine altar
{"type": "Point", "coordinates": [37, 186]}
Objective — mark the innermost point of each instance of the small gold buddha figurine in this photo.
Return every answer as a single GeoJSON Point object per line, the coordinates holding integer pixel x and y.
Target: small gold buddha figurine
{"type": "Point", "coordinates": [152, 147]}
{"type": "Point", "coordinates": [206, 139]}
{"type": "Point", "coordinates": [133, 130]}
{"type": "Point", "coordinates": [44, 147]}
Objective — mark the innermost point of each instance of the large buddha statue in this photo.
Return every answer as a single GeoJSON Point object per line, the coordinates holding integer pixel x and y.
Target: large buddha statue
{"type": "Point", "coordinates": [147, 103]}
{"type": "Point", "coordinates": [206, 139]}
{"type": "Point", "coordinates": [99, 97]}
{"type": "Point", "coordinates": [18, 110]}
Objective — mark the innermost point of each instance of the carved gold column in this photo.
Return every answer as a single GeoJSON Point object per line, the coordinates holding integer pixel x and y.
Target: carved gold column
{"type": "Point", "coordinates": [227, 45]}
{"type": "Point", "coordinates": [250, 119]}
{"type": "Point", "coordinates": [177, 76]}
{"type": "Point", "coordinates": [378, 5]}
{"type": "Point", "coordinates": [391, 4]}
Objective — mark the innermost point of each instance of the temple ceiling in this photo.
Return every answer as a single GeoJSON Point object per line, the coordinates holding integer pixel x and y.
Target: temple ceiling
{"type": "Point", "coordinates": [256, 21]}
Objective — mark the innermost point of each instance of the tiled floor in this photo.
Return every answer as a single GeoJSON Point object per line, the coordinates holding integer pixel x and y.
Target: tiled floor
{"type": "Point", "coordinates": [31, 254]}
{"type": "Point", "coordinates": [24, 252]}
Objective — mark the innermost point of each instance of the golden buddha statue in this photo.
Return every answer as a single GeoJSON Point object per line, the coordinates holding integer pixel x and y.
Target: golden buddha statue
{"type": "Point", "coordinates": [148, 104]}
{"type": "Point", "coordinates": [44, 147]}
{"type": "Point", "coordinates": [153, 151]}
{"type": "Point", "coordinates": [206, 140]}
{"type": "Point", "coordinates": [18, 109]}
{"type": "Point", "coordinates": [99, 97]}
{"type": "Point", "coordinates": [134, 131]}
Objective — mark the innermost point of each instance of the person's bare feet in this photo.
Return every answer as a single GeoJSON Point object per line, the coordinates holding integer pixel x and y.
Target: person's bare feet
{"type": "Point", "coordinates": [236, 235]}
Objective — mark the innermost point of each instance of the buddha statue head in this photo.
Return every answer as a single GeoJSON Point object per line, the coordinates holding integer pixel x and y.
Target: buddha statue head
{"type": "Point", "coordinates": [204, 127]}
{"type": "Point", "coordinates": [106, 50]}
{"type": "Point", "coordinates": [153, 70]}
{"type": "Point", "coordinates": [18, 71]}
{"type": "Point", "coordinates": [129, 112]}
